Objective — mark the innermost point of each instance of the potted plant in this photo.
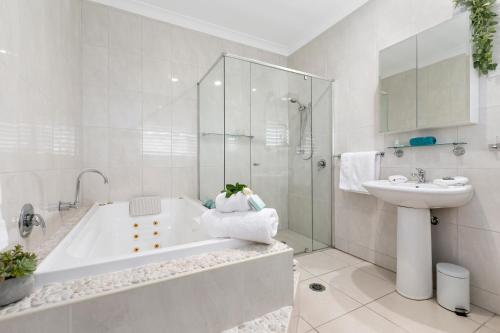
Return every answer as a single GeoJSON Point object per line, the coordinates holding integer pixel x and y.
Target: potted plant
{"type": "Point", "coordinates": [16, 274]}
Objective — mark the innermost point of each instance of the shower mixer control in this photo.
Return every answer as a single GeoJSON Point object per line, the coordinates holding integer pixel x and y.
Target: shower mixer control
{"type": "Point", "coordinates": [321, 163]}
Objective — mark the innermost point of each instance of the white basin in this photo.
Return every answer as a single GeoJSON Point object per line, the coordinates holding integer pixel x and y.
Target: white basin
{"type": "Point", "coordinates": [414, 245]}
{"type": "Point", "coordinates": [416, 195]}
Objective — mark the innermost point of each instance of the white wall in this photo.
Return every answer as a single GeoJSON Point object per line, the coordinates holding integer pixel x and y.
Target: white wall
{"type": "Point", "coordinates": [366, 227]}
{"type": "Point", "coordinates": [139, 127]}
{"type": "Point", "coordinates": [40, 107]}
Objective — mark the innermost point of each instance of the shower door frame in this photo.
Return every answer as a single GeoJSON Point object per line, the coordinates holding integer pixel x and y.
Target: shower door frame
{"type": "Point", "coordinates": [331, 128]}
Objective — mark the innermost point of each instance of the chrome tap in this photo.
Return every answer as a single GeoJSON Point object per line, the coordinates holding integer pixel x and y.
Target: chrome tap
{"type": "Point", "coordinates": [76, 203]}
{"type": "Point", "coordinates": [420, 174]}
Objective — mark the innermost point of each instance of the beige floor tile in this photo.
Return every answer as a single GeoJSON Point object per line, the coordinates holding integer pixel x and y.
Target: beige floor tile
{"type": "Point", "coordinates": [320, 307]}
{"type": "Point", "coordinates": [421, 316]}
{"type": "Point", "coordinates": [377, 271]}
{"type": "Point", "coordinates": [361, 320]}
{"type": "Point", "coordinates": [351, 260]}
{"type": "Point", "coordinates": [485, 329]}
{"type": "Point", "coordinates": [304, 275]}
{"type": "Point", "coordinates": [480, 315]}
{"type": "Point", "coordinates": [304, 327]}
{"type": "Point", "coordinates": [494, 323]}
{"type": "Point", "coordinates": [320, 263]}
{"type": "Point", "coordinates": [358, 284]}
{"type": "Point", "coordinates": [477, 314]}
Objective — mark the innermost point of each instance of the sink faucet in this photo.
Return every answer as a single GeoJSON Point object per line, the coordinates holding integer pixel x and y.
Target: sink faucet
{"type": "Point", "coordinates": [420, 174]}
{"type": "Point", "coordinates": [76, 203]}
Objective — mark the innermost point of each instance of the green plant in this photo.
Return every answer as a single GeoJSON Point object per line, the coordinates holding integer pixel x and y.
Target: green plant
{"type": "Point", "coordinates": [233, 189]}
{"type": "Point", "coordinates": [483, 29]}
{"type": "Point", "coordinates": [15, 263]}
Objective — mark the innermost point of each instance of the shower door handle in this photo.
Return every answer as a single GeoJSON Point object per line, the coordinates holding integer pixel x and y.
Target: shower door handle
{"type": "Point", "coordinates": [321, 163]}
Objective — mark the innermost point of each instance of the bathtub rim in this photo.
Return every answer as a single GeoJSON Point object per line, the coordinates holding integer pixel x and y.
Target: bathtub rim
{"type": "Point", "coordinates": [125, 261]}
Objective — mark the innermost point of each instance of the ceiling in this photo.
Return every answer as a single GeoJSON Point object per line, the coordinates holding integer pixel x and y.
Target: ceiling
{"type": "Point", "coordinates": [280, 26]}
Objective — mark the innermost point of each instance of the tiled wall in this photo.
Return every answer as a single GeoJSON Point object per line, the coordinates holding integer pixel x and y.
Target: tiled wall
{"type": "Point", "coordinates": [40, 108]}
{"type": "Point", "coordinates": [139, 101]}
{"type": "Point", "coordinates": [366, 227]}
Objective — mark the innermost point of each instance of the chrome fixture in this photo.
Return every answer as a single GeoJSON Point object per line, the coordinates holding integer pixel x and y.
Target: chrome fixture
{"type": "Point", "coordinates": [28, 219]}
{"type": "Point", "coordinates": [76, 203]}
{"type": "Point", "coordinates": [322, 163]}
{"type": "Point", "coordinates": [304, 119]}
{"type": "Point", "coordinates": [420, 174]}
{"type": "Point", "coordinates": [495, 146]}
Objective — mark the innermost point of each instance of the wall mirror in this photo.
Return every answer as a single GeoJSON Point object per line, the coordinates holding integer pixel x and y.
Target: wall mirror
{"type": "Point", "coordinates": [428, 81]}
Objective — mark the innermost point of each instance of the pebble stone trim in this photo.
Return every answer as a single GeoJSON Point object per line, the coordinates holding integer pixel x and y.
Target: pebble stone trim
{"type": "Point", "coordinates": [78, 289]}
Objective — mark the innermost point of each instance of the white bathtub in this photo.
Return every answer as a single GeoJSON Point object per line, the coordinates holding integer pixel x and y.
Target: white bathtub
{"type": "Point", "coordinates": [107, 239]}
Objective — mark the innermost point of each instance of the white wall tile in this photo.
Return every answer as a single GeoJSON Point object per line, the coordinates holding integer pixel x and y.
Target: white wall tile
{"type": "Point", "coordinates": [124, 31]}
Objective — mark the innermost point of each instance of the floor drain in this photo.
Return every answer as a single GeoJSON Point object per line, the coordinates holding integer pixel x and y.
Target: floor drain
{"type": "Point", "coordinates": [317, 287]}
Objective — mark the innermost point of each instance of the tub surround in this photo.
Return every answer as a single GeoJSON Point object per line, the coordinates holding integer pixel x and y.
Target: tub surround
{"type": "Point", "coordinates": [269, 259]}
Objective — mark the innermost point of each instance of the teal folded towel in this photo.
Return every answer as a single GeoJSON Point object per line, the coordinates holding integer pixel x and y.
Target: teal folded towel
{"type": "Point", "coordinates": [256, 202]}
{"type": "Point", "coordinates": [423, 141]}
{"type": "Point", "coordinates": [210, 204]}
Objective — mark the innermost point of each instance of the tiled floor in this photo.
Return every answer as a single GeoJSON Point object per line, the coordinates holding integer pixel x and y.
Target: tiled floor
{"type": "Point", "coordinates": [360, 297]}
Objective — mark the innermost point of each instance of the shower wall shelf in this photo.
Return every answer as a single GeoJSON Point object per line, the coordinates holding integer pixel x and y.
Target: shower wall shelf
{"type": "Point", "coordinates": [228, 134]}
{"type": "Point", "coordinates": [458, 149]}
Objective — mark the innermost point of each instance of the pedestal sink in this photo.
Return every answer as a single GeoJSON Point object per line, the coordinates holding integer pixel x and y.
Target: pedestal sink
{"type": "Point", "coordinates": [414, 249]}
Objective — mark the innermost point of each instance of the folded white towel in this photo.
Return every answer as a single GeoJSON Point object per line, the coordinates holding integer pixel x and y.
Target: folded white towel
{"type": "Point", "coordinates": [357, 168]}
{"type": "Point", "coordinates": [236, 203]}
{"type": "Point", "coordinates": [4, 236]}
{"type": "Point", "coordinates": [451, 181]}
{"type": "Point", "coordinates": [253, 226]}
{"type": "Point", "coordinates": [398, 179]}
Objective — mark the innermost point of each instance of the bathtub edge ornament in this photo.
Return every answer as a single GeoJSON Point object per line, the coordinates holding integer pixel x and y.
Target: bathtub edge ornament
{"type": "Point", "coordinates": [16, 274]}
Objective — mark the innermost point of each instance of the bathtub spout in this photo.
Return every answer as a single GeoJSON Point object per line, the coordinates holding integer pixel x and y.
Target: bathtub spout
{"type": "Point", "coordinates": [76, 203]}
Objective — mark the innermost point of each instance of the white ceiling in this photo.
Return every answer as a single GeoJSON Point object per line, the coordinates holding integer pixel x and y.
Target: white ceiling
{"type": "Point", "coordinates": [280, 26]}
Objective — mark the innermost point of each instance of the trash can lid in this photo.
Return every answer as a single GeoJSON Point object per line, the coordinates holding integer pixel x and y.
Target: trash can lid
{"type": "Point", "coordinates": [452, 270]}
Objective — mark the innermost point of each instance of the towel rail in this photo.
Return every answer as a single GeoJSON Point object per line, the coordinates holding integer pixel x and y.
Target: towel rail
{"type": "Point", "coordinates": [380, 153]}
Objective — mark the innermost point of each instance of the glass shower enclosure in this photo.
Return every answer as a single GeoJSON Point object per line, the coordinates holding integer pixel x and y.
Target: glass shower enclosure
{"type": "Point", "coordinates": [270, 127]}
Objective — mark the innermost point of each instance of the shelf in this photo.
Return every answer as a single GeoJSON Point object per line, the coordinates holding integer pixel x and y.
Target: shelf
{"type": "Point", "coordinates": [458, 150]}
{"type": "Point", "coordinates": [229, 134]}
{"type": "Point", "coordinates": [436, 144]}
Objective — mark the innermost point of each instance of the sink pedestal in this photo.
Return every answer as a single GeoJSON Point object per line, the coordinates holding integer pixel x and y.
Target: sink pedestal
{"type": "Point", "coordinates": [414, 253]}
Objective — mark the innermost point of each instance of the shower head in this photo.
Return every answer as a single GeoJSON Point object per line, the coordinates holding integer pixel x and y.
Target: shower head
{"type": "Point", "coordinates": [302, 107]}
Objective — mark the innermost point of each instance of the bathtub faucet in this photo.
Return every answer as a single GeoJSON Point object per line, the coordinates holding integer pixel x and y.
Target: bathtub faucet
{"type": "Point", "coordinates": [76, 203]}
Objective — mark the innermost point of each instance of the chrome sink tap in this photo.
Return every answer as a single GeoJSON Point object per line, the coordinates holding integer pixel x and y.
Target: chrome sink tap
{"type": "Point", "coordinates": [420, 174]}
{"type": "Point", "coordinates": [76, 203]}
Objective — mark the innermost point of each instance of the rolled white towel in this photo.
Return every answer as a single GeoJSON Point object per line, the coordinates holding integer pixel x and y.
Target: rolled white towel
{"type": "Point", "coordinates": [398, 179]}
{"type": "Point", "coordinates": [451, 181]}
{"type": "Point", "coordinates": [236, 203]}
{"type": "Point", "coordinates": [253, 226]}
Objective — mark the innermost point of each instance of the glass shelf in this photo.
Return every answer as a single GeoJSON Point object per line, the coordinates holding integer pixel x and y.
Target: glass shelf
{"type": "Point", "coordinates": [458, 150]}
{"type": "Point", "coordinates": [436, 144]}
{"type": "Point", "coordinates": [228, 134]}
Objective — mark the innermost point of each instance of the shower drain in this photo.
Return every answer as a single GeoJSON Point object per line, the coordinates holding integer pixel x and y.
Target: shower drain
{"type": "Point", "coordinates": [317, 287]}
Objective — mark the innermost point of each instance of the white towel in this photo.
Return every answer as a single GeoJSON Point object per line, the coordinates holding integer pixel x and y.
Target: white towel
{"type": "Point", "coordinates": [4, 236]}
{"type": "Point", "coordinates": [236, 203]}
{"type": "Point", "coordinates": [451, 181]}
{"type": "Point", "coordinates": [357, 168]}
{"type": "Point", "coordinates": [253, 226]}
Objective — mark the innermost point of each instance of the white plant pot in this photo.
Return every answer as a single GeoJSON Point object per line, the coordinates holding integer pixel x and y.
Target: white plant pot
{"type": "Point", "coordinates": [13, 290]}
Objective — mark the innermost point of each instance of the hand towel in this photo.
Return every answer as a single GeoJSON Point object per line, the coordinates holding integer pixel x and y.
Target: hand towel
{"type": "Point", "coordinates": [236, 203]}
{"type": "Point", "coordinates": [357, 168]}
{"type": "Point", "coordinates": [4, 236]}
{"type": "Point", "coordinates": [253, 226]}
{"type": "Point", "coordinates": [423, 141]}
{"type": "Point", "coordinates": [398, 179]}
{"type": "Point", "coordinates": [451, 181]}
{"type": "Point", "coordinates": [256, 202]}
